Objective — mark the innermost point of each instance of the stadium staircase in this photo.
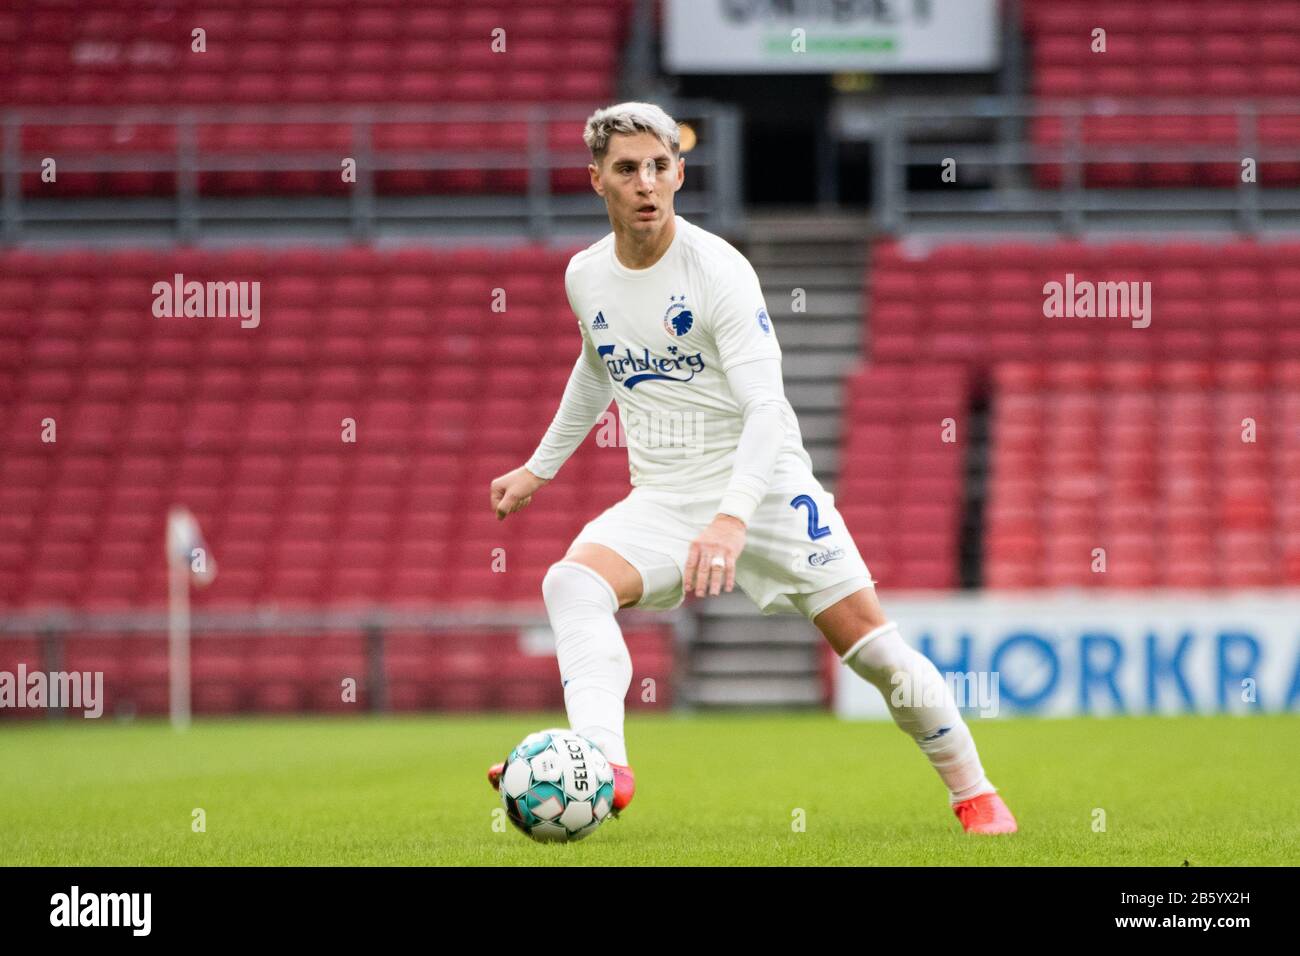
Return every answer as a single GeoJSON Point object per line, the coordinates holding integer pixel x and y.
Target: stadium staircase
{"type": "Point", "coordinates": [741, 658]}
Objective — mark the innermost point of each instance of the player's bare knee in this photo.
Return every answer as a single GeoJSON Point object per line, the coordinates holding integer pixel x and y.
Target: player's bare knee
{"type": "Point", "coordinates": [845, 622]}
{"type": "Point", "coordinates": [613, 568]}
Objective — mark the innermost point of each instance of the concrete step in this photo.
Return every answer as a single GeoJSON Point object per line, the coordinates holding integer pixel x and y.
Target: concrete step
{"type": "Point", "coordinates": [814, 395]}
{"type": "Point", "coordinates": [709, 691]}
{"type": "Point", "coordinates": [825, 461]}
{"type": "Point", "coordinates": [847, 319]}
{"type": "Point", "coordinates": [826, 466]}
{"type": "Point", "coordinates": [795, 227]}
{"type": "Point", "coordinates": [812, 259]}
{"type": "Point", "coordinates": [745, 660]}
{"type": "Point", "coordinates": [810, 278]}
{"type": "Point", "coordinates": [820, 427]}
{"type": "Point", "coordinates": [848, 255]}
{"type": "Point", "coordinates": [818, 365]}
{"type": "Point", "coordinates": [800, 332]}
{"type": "Point", "coordinates": [732, 619]}
{"type": "Point", "coordinates": [746, 632]}
{"type": "Point", "coordinates": [741, 658]}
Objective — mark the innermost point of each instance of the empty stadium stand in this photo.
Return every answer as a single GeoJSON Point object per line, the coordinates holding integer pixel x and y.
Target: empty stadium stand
{"type": "Point", "coordinates": [135, 57]}
{"type": "Point", "coordinates": [141, 53]}
{"type": "Point", "coordinates": [1147, 461]}
{"type": "Point", "coordinates": [245, 426]}
{"type": "Point", "coordinates": [1214, 48]}
{"type": "Point", "coordinates": [900, 487]}
{"type": "Point", "coordinates": [293, 673]}
{"type": "Point", "coordinates": [1104, 433]}
{"type": "Point", "coordinates": [979, 304]}
{"type": "Point", "coordinates": [1219, 53]}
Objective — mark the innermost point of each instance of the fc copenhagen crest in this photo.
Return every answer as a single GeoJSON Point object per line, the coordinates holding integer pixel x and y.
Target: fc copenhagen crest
{"type": "Point", "coordinates": [678, 319]}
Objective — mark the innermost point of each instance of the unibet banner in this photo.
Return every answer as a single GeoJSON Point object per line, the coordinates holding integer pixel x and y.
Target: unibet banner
{"type": "Point", "coordinates": [827, 36]}
{"type": "Point", "coordinates": [1099, 655]}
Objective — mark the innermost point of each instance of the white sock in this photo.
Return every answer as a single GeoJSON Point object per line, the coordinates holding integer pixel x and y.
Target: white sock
{"type": "Point", "coordinates": [922, 706]}
{"type": "Point", "coordinates": [594, 663]}
{"type": "Point", "coordinates": [972, 791]}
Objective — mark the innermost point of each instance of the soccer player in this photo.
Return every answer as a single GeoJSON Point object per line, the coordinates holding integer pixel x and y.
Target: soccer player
{"type": "Point", "coordinates": [675, 329]}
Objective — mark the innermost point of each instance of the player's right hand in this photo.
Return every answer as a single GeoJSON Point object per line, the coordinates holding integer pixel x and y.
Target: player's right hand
{"type": "Point", "coordinates": [514, 490]}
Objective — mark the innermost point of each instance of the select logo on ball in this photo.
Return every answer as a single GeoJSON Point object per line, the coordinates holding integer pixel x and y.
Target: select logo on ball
{"type": "Point", "coordinates": [557, 786]}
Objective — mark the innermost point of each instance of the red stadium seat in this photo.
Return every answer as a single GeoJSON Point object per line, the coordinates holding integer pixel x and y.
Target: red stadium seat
{"type": "Point", "coordinates": [1173, 49]}
{"type": "Point", "coordinates": [318, 55]}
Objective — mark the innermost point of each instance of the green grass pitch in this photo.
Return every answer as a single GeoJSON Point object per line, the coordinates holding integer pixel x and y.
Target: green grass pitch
{"type": "Point", "coordinates": [1213, 790]}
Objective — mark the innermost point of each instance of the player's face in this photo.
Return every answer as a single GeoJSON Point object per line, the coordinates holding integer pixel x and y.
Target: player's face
{"type": "Point", "coordinates": [637, 179]}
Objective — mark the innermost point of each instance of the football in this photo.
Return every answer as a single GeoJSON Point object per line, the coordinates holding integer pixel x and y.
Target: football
{"type": "Point", "coordinates": [557, 786]}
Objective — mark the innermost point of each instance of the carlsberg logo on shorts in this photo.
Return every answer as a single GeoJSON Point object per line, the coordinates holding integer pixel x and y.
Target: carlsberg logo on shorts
{"type": "Point", "coordinates": [818, 558]}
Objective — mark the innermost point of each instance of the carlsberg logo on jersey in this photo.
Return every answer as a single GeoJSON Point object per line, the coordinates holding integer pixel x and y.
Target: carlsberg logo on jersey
{"type": "Point", "coordinates": [632, 369]}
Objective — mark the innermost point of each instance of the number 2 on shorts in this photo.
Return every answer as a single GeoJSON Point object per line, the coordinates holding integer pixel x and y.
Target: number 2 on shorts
{"type": "Point", "coordinates": [814, 530]}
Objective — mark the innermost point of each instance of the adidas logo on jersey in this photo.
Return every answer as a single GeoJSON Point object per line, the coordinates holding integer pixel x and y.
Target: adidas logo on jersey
{"type": "Point", "coordinates": [599, 322]}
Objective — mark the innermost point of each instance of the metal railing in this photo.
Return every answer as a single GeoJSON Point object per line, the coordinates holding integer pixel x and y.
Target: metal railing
{"type": "Point", "coordinates": [999, 154]}
{"type": "Point", "coordinates": [52, 626]}
{"type": "Point", "coordinates": [712, 193]}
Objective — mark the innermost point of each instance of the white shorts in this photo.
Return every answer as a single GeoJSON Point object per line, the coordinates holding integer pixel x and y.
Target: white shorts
{"type": "Point", "coordinates": [796, 546]}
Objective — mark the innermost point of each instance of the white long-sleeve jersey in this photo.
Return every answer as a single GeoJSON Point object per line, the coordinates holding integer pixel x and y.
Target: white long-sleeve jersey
{"type": "Point", "coordinates": [689, 354]}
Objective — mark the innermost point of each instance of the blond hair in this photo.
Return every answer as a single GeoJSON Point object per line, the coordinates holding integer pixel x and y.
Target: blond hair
{"type": "Point", "coordinates": [630, 118]}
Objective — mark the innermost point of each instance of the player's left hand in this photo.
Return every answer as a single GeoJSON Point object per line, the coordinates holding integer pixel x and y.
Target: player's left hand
{"type": "Point", "coordinates": [723, 539]}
